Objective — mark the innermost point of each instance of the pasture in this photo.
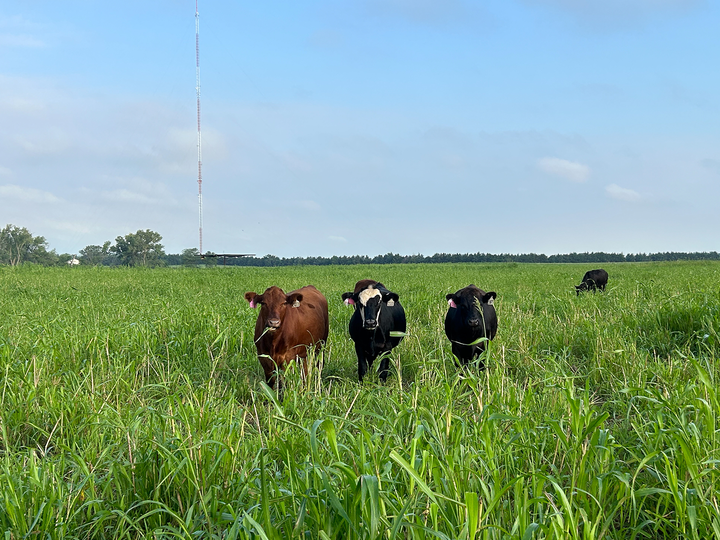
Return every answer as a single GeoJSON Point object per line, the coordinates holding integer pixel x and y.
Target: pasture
{"type": "Point", "coordinates": [132, 406]}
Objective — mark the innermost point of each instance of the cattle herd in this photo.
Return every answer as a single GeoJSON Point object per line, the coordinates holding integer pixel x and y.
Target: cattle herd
{"type": "Point", "coordinates": [291, 324]}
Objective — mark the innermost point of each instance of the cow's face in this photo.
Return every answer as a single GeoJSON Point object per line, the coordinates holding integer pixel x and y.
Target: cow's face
{"type": "Point", "coordinates": [369, 302]}
{"type": "Point", "coordinates": [274, 304]}
{"type": "Point", "coordinates": [469, 304]}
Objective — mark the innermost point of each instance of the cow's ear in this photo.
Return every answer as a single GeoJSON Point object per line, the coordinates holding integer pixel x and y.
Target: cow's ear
{"type": "Point", "coordinates": [489, 298]}
{"type": "Point", "coordinates": [348, 299]}
{"type": "Point", "coordinates": [390, 298]}
{"type": "Point", "coordinates": [294, 299]}
{"type": "Point", "coordinates": [451, 301]}
{"type": "Point", "coordinates": [253, 298]}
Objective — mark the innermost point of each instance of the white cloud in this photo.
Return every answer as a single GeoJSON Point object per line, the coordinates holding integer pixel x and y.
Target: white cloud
{"type": "Point", "coordinates": [28, 194]}
{"type": "Point", "coordinates": [70, 226]}
{"type": "Point", "coordinates": [133, 190]}
{"type": "Point", "coordinates": [310, 206]}
{"type": "Point", "coordinates": [133, 197]}
{"type": "Point", "coordinates": [23, 105]}
{"type": "Point", "coordinates": [570, 170]}
{"type": "Point", "coordinates": [125, 195]}
{"type": "Point", "coordinates": [622, 194]}
{"type": "Point", "coordinates": [421, 11]}
{"type": "Point", "coordinates": [20, 40]}
{"type": "Point", "coordinates": [296, 164]}
{"type": "Point", "coordinates": [16, 31]}
{"type": "Point", "coordinates": [52, 142]}
{"type": "Point", "coordinates": [609, 13]}
{"type": "Point", "coordinates": [710, 164]}
{"type": "Point", "coordinates": [326, 39]}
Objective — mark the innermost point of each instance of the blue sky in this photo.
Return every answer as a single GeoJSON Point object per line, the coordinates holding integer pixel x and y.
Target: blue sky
{"type": "Point", "coordinates": [365, 126]}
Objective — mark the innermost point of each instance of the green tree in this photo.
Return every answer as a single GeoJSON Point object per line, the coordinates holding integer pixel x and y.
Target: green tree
{"type": "Point", "coordinates": [38, 254]}
{"type": "Point", "coordinates": [190, 257]}
{"type": "Point", "coordinates": [142, 248]}
{"type": "Point", "coordinates": [18, 245]}
{"type": "Point", "coordinates": [63, 259]}
{"type": "Point", "coordinates": [94, 255]}
{"type": "Point", "coordinates": [209, 261]}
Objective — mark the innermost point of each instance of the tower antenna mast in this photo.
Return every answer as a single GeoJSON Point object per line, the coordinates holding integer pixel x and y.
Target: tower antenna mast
{"type": "Point", "coordinates": [224, 256]}
{"type": "Point", "coordinates": [199, 137]}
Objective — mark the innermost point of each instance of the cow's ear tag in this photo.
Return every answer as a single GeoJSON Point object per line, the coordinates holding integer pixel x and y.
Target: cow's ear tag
{"type": "Point", "coordinates": [296, 303]}
{"type": "Point", "coordinates": [390, 303]}
{"type": "Point", "coordinates": [252, 304]}
{"type": "Point", "coordinates": [491, 302]}
{"type": "Point", "coordinates": [349, 302]}
{"type": "Point", "coordinates": [451, 303]}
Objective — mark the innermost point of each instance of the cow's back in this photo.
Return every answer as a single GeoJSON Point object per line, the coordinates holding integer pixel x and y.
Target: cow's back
{"type": "Point", "coordinates": [309, 323]}
{"type": "Point", "coordinates": [597, 277]}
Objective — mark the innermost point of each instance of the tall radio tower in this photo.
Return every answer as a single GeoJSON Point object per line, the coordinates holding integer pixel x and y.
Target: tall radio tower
{"type": "Point", "coordinates": [199, 138]}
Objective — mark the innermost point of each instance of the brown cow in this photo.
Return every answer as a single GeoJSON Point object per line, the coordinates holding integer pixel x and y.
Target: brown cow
{"type": "Point", "coordinates": [287, 326]}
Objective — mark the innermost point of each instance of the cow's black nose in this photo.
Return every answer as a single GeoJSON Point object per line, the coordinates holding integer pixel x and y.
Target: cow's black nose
{"type": "Point", "coordinates": [370, 323]}
{"type": "Point", "coordinates": [474, 322]}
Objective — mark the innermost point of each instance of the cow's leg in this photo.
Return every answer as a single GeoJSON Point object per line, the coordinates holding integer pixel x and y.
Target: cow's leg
{"type": "Point", "coordinates": [273, 377]}
{"type": "Point", "coordinates": [384, 366]}
{"type": "Point", "coordinates": [362, 361]}
{"type": "Point", "coordinates": [303, 361]}
{"type": "Point", "coordinates": [270, 370]}
{"type": "Point", "coordinates": [460, 354]}
{"type": "Point", "coordinates": [477, 355]}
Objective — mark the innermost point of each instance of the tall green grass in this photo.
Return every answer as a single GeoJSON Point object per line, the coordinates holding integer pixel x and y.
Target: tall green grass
{"type": "Point", "coordinates": [132, 406]}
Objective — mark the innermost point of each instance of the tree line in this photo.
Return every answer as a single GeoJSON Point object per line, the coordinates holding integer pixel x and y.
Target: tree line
{"type": "Point", "coordinates": [143, 248]}
{"type": "Point", "coordinates": [395, 258]}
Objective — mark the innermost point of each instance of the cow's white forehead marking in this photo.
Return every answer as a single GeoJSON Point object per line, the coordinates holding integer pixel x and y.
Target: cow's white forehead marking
{"type": "Point", "coordinates": [367, 294]}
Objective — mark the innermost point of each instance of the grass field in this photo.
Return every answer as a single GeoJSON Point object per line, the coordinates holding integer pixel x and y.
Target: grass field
{"type": "Point", "coordinates": [133, 406]}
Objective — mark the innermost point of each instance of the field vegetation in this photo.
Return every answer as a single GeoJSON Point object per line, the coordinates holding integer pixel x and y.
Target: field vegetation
{"type": "Point", "coordinates": [133, 406]}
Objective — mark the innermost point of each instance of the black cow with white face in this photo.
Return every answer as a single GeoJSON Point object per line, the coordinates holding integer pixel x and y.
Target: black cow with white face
{"type": "Point", "coordinates": [593, 280]}
{"type": "Point", "coordinates": [378, 313]}
{"type": "Point", "coordinates": [471, 316]}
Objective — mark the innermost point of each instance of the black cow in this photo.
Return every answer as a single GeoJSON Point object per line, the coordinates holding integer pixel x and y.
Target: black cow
{"type": "Point", "coordinates": [378, 313]}
{"type": "Point", "coordinates": [593, 280]}
{"type": "Point", "coordinates": [471, 316]}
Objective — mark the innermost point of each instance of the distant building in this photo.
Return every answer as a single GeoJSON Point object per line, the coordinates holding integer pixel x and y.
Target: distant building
{"type": "Point", "coordinates": [73, 261]}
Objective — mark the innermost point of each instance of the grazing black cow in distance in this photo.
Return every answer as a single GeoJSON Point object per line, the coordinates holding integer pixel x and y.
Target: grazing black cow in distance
{"type": "Point", "coordinates": [471, 316]}
{"type": "Point", "coordinates": [377, 313]}
{"type": "Point", "coordinates": [592, 280]}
